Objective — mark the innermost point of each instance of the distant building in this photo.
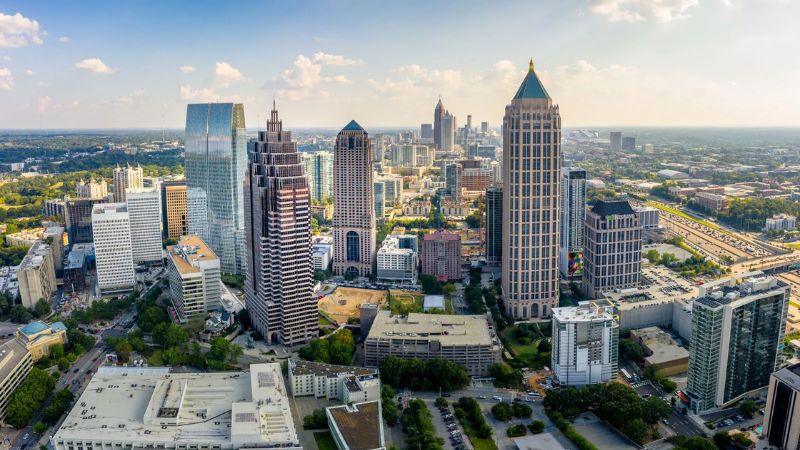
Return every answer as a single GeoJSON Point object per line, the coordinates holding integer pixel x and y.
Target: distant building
{"type": "Point", "coordinates": [395, 262]}
{"type": "Point", "coordinates": [113, 250]}
{"type": "Point", "coordinates": [319, 172]}
{"type": "Point", "coordinates": [438, 116]}
{"type": "Point", "coordinates": [357, 426]}
{"type": "Point", "coordinates": [54, 208]}
{"type": "Point", "coordinates": [426, 131]}
{"type": "Point", "coordinates": [332, 382]}
{"type": "Point", "coordinates": [37, 275]}
{"type": "Point", "coordinates": [38, 337]}
{"type": "Point", "coordinates": [711, 201]}
{"type": "Point", "coordinates": [144, 210]}
{"type": "Point", "coordinates": [780, 222]}
{"type": "Point", "coordinates": [440, 253]}
{"type": "Point", "coordinates": [615, 141]}
{"type": "Point", "coordinates": [16, 363]}
{"type": "Point", "coordinates": [476, 179]}
{"type": "Point", "coordinates": [585, 344]}
{"type": "Point", "coordinates": [669, 174]}
{"type": "Point", "coordinates": [782, 412]}
{"type": "Point", "coordinates": [78, 216]}
{"type": "Point", "coordinates": [194, 277]}
{"type": "Point", "coordinates": [648, 217]}
{"type": "Point", "coordinates": [379, 192]}
{"type": "Point", "coordinates": [453, 174]}
{"type": "Point", "coordinates": [629, 143]}
{"type": "Point", "coordinates": [174, 214]}
{"type": "Point", "coordinates": [573, 221]}
{"type": "Point", "coordinates": [92, 189]}
{"type": "Point", "coordinates": [126, 178]}
{"type": "Point", "coordinates": [417, 208]}
{"type": "Point", "coordinates": [494, 224]}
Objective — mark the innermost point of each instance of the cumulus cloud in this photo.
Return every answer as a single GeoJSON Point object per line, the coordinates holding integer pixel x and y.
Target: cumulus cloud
{"type": "Point", "coordinates": [187, 69]}
{"type": "Point", "coordinates": [334, 60]}
{"type": "Point", "coordinates": [226, 74]}
{"type": "Point", "coordinates": [300, 81]}
{"type": "Point", "coordinates": [19, 31]}
{"type": "Point", "coordinates": [63, 39]}
{"type": "Point", "coordinates": [634, 11]}
{"type": "Point", "coordinates": [44, 103]}
{"type": "Point", "coordinates": [198, 95]}
{"type": "Point", "coordinates": [414, 78]}
{"type": "Point", "coordinates": [6, 79]}
{"type": "Point", "coordinates": [95, 65]}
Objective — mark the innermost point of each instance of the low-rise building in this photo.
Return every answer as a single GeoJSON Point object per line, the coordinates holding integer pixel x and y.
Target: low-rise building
{"type": "Point", "coordinates": [38, 337]}
{"type": "Point", "coordinates": [648, 216]}
{"type": "Point", "coordinates": [712, 201]}
{"type": "Point", "coordinates": [780, 222]}
{"type": "Point", "coordinates": [433, 302]}
{"type": "Point", "coordinates": [466, 340]}
{"type": "Point", "coordinates": [417, 208]}
{"type": "Point", "coordinates": [661, 351]}
{"type": "Point", "coordinates": [357, 426]}
{"type": "Point", "coordinates": [321, 252]}
{"type": "Point", "coordinates": [37, 275]}
{"type": "Point", "coordinates": [15, 364]}
{"type": "Point", "coordinates": [333, 382]}
{"type": "Point", "coordinates": [194, 277]}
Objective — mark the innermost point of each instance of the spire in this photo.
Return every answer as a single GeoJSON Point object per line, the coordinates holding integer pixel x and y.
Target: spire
{"type": "Point", "coordinates": [530, 66]}
{"type": "Point", "coordinates": [274, 124]}
{"type": "Point", "coordinates": [531, 86]}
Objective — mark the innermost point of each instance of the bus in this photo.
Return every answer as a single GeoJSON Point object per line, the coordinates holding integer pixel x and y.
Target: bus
{"type": "Point", "coordinates": [626, 374]}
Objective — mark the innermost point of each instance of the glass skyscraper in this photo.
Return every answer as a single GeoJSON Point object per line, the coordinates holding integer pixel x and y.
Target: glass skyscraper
{"type": "Point", "coordinates": [216, 160]}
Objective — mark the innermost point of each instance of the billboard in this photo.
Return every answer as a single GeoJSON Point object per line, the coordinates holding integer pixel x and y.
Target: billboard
{"type": "Point", "coordinates": [574, 263]}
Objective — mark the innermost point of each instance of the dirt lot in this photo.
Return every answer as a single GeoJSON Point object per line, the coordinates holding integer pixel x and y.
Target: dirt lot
{"type": "Point", "coordinates": [345, 302]}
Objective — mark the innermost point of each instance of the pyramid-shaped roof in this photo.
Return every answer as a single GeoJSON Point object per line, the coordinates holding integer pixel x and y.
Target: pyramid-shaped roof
{"type": "Point", "coordinates": [531, 86]}
{"type": "Point", "coordinates": [352, 126]}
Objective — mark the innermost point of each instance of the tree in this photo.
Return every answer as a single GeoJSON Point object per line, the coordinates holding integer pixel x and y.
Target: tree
{"type": "Point", "coordinates": [652, 256]}
{"type": "Point", "coordinates": [502, 411]}
{"type": "Point", "coordinates": [388, 405]}
{"type": "Point", "coordinates": [440, 402]}
{"type": "Point", "coordinates": [503, 373]}
{"type": "Point", "coordinates": [317, 420]}
{"type": "Point", "coordinates": [544, 346]}
{"type": "Point", "coordinates": [20, 315]}
{"type": "Point", "coordinates": [123, 349]}
{"type": "Point", "coordinates": [536, 427]}
{"type": "Point", "coordinates": [521, 410]}
{"type": "Point", "coordinates": [42, 308]}
{"type": "Point", "coordinates": [631, 350]}
{"type": "Point", "coordinates": [169, 335]}
{"type": "Point", "coordinates": [39, 428]}
{"type": "Point", "coordinates": [635, 429]}
{"type": "Point", "coordinates": [747, 408]}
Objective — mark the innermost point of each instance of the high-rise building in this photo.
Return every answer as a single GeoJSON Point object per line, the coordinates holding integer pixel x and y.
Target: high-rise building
{"type": "Point", "coordinates": [738, 326]}
{"type": "Point", "coordinates": [174, 215]}
{"type": "Point", "coordinates": [403, 155]}
{"type": "Point", "coordinates": [37, 275]}
{"type": "Point", "coordinates": [615, 141]}
{"type": "Point", "coordinates": [629, 143]}
{"type": "Point", "coordinates": [197, 212]}
{"type": "Point", "coordinates": [782, 413]}
{"type": "Point", "coordinates": [612, 248]}
{"type": "Point", "coordinates": [396, 262]}
{"type": "Point", "coordinates": [426, 131]}
{"type": "Point", "coordinates": [144, 209]}
{"type": "Point", "coordinates": [573, 221]}
{"type": "Point", "coordinates": [319, 171]}
{"type": "Point", "coordinates": [440, 253]}
{"type": "Point", "coordinates": [452, 181]}
{"type": "Point", "coordinates": [447, 140]}
{"type": "Point", "coordinates": [126, 178]}
{"type": "Point", "coordinates": [379, 192]}
{"type": "Point", "coordinates": [494, 225]}
{"type": "Point", "coordinates": [216, 160]}
{"type": "Point", "coordinates": [279, 276]}
{"type": "Point", "coordinates": [379, 148]}
{"type": "Point", "coordinates": [438, 115]}
{"type": "Point", "coordinates": [585, 345]}
{"type": "Point", "coordinates": [111, 227]}
{"type": "Point", "coordinates": [531, 191]}
{"type": "Point", "coordinates": [354, 200]}
{"type": "Point", "coordinates": [485, 127]}
{"type": "Point", "coordinates": [92, 189]}
{"type": "Point", "coordinates": [194, 277]}
{"type": "Point", "coordinates": [78, 216]}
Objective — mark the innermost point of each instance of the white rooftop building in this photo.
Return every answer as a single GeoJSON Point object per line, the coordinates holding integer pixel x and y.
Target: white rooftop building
{"type": "Point", "coordinates": [144, 208]}
{"type": "Point", "coordinates": [111, 231]}
{"type": "Point", "coordinates": [585, 344]}
{"type": "Point", "coordinates": [395, 262]}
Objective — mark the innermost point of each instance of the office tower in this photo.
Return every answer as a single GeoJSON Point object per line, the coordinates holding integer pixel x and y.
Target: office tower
{"type": "Point", "coordinates": [438, 115]}
{"type": "Point", "coordinates": [424, 156]}
{"type": "Point", "coordinates": [615, 141]}
{"type": "Point", "coordinates": [447, 140]}
{"type": "Point", "coordinates": [319, 171]}
{"type": "Point", "coordinates": [782, 413]}
{"type": "Point", "coordinates": [585, 344]}
{"type": "Point", "coordinates": [111, 227]}
{"type": "Point", "coordinates": [738, 327]}
{"type": "Point", "coordinates": [484, 127]}
{"type": "Point", "coordinates": [531, 167]}
{"type": "Point", "coordinates": [354, 214]}
{"type": "Point", "coordinates": [440, 253]}
{"type": "Point", "coordinates": [78, 215]}
{"type": "Point", "coordinates": [469, 121]}
{"type": "Point", "coordinates": [144, 210]}
{"type": "Point", "coordinates": [403, 155]}
{"type": "Point", "coordinates": [92, 189]}
{"type": "Point", "coordinates": [197, 212]}
{"type": "Point", "coordinates": [174, 215]}
{"type": "Point", "coordinates": [452, 181]}
{"type": "Point", "coordinates": [378, 149]}
{"type": "Point", "coordinates": [426, 131]}
{"type": "Point", "coordinates": [278, 282]}
{"type": "Point", "coordinates": [216, 160]}
{"type": "Point", "coordinates": [194, 277]}
{"type": "Point", "coordinates": [37, 275]}
{"type": "Point", "coordinates": [126, 178]}
{"type": "Point", "coordinates": [573, 221]}
{"type": "Point", "coordinates": [494, 224]}
{"type": "Point", "coordinates": [379, 190]}
{"type": "Point", "coordinates": [629, 143]}
{"type": "Point", "coordinates": [55, 208]}
{"type": "Point", "coordinates": [612, 248]}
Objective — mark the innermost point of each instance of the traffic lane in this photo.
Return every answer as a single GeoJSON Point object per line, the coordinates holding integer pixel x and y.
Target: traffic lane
{"type": "Point", "coordinates": [681, 424]}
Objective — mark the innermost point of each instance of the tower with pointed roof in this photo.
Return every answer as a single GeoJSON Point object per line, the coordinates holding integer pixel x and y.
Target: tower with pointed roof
{"type": "Point", "coordinates": [353, 201]}
{"type": "Point", "coordinates": [531, 201]}
{"type": "Point", "coordinates": [438, 116]}
{"type": "Point", "coordinates": [126, 178]}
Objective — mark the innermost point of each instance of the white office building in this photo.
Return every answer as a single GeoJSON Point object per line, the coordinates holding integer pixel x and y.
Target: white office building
{"type": "Point", "coordinates": [648, 216]}
{"type": "Point", "coordinates": [345, 383]}
{"type": "Point", "coordinates": [194, 277]}
{"type": "Point", "coordinates": [397, 262]}
{"type": "Point", "coordinates": [111, 231]}
{"type": "Point", "coordinates": [585, 344]}
{"type": "Point", "coordinates": [144, 208]}
{"type": "Point", "coordinates": [321, 252]}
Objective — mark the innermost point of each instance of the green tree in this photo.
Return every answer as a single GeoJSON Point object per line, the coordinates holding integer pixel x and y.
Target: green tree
{"type": "Point", "coordinates": [747, 408]}
{"type": "Point", "coordinates": [169, 335]}
{"type": "Point", "coordinates": [39, 427]}
{"type": "Point", "coordinates": [635, 429]}
{"type": "Point", "coordinates": [502, 411]}
{"type": "Point", "coordinates": [42, 308]}
{"type": "Point", "coordinates": [20, 315]}
{"type": "Point", "coordinates": [652, 256]}
{"type": "Point", "coordinates": [536, 427]}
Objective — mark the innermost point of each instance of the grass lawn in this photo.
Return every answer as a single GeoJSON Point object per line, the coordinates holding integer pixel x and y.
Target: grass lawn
{"type": "Point", "coordinates": [325, 440]}
{"type": "Point", "coordinates": [528, 351]}
{"type": "Point", "coordinates": [403, 301]}
{"type": "Point", "coordinates": [325, 322]}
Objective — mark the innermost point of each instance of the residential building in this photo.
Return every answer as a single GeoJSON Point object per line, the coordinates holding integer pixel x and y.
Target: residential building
{"type": "Point", "coordinates": [453, 174]}
{"type": "Point", "coordinates": [216, 161]}
{"type": "Point", "coordinates": [466, 340]}
{"type": "Point", "coordinates": [174, 214]}
{"type": "Point", "coordinates": [357, 426]}
{"type": "Point", "coordinates": [573, 221]}
{"type": "Point", "coordinates": [144, 210]}
{"type": "Point", "coordinates": [781, 222]}
{"type": "Point", "coordinates": [319, 171]}
{"type": "Point", "coordinates": [438, 115]}
{"type": "Point", "coordinates": [531, 202]}
{"type": "Point", "coordinates": [92, 189]}
{"type": "Point", "coordinates": [615, 141]}
{"type": "Point", "coordinates": [440, 253]}
{"type": "Point", "coordinates": [194, 277]}
{"type": "Point", "coordinates": [782, 413]}
{"type": "Point", "coordinates": [417, 208]}
{"type": "Point", "coordinates": [279, 277]}
{"type": "Point", "coordinates": [15, 364]}
{"type": "Point", "coordinates": [629, 143]}
{"type": "Point", "coordinates": [585, 344]}
{"type": "Point", "coordinates": [321, 252]}
{"type": "Point", "coordinates": [347, 384]}
{"type": "Point", "coordinates": [111, 228]}
{"type": "Point", "coordinates": [354, 215]}
{"type": "Point", "coordinates": [38, 337]}
{"type": "Point", "coordinates": [396, 263]}
{"type": "Point", "coordinates": [476, 179]}
{"type": "Point", "coordinates": [738, 326]}
{"type": "Point", "coordinates": [403, 155]}
{"type": "Point", "coordinates": [494, 224]}
{"type": "Point", "coordinates": [126, 178]}
{"type": "Point", "coordinates": [648, 216]}
{"type": "Point", "coordinates": [379, 193]}
{"type": "Point", "coordinates": [37, 275]}
{"type": "Point", "coordinates": [155, 408]}
{"type": "Point", "coordinates": [612, 248]}
{"type": "Point", "coordinates": [78, 216]}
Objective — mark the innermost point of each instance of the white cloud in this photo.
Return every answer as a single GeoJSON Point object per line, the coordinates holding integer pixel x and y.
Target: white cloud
{"type": "Point", "coordinates": [633, 11]}
{"type": "Point", "coordinates": [334, 60]}
{"type": "Point", "coordinates": [198, 95]}
{"type": "Point", "coordinates": [29, 72]}
{"type": "Point", "coordinates": [19, 31]}
{"type": "Point", "coordinates": [6, 80]}
{"type": "Point", "coordinates": [227, 74]}
{"type": "Point", "coordinates": [187, 69]}
{"type": "Point", "coordinates": [6, 58]}
{"type": "Point", "coordinates": [130, 98]}
{"type": "Point", "coordinates": [63, 39]}
{"type": "Point", "coordinates": [95, 65]}
{"type": "Point", "coordinates": [299, 81]}
{"type": "Point", "coordinates": [426, 77]}
{"type": "Point", "coordinates": [43, 103]}
{"type": "Point", "coordinates": [419, 80]}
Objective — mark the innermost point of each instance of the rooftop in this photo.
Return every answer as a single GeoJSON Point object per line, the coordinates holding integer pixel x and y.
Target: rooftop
{"type": "Point", "coordinates": [441, 235]}
{"type": "Point", "coordinates": [751, 285]}
{"type": "Point", "coordinates": [12, 352]}
{"type": "Point", "coordinates": [531, 86]}
{"type": "Point", "coordinates": [303, 367]}
{"type": "Point", "coordinates": [605, 208]}
{"type": "Point", "coordinates": [358, 424]}
{"type": "Point", "coordinates": [35, 256]}
{"type": "Point", "coordinates": [447, 329]}
{"type": "Point", "coordinates": [107, 208]}
{"type": "Point", "coordinates": [664, 349]}
{"type": "Point", "coordinates": [190, 250]}
{"type": "Point", "coordinates": [585, 311]}
{"type": "Point", "coordinates": [352, 126]}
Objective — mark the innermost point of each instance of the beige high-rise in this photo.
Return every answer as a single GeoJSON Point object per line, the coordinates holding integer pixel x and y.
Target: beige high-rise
{"type": "Point", "coordinates": [353, 202]}
{"type": "Point", "coordinates": [531, 206]}
{"type": "Point", "coordinates": [174, 215]}
{"type": "Point", "coordinates": [126, 178]}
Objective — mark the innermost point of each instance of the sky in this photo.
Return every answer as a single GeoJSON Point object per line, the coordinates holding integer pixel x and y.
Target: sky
{"type": "Point", "coordinates": [102, 64]}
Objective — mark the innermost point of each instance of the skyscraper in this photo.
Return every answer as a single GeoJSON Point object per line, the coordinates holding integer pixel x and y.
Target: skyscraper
{"type": "Point", "coordinates": [452, 181]}
{"type": "Point", "coordinates": [144, 209]}
{"type": "Point", "coordinates": [174, 218]}
{"type": "Point", "coordinates": [78, 216]}
{"type": "Point", "coordinates": [278, 279]}
{"type": "Point", "coordinates": [494, 224]}
{"type": "Point", "coordinates": [573, 220]}
{"type": "Point", "coordinates": [354, 203]}
{"type": "Point", "coordinates": [782, 413]}
{"type": "Point", "coordinates": [379, 191]}
{"type": "Point", "coordinates": [216, 160]}
{"type": "Point", "coordinates": [629, 143]}
{"type": "Point", "coordinates": [615, 141]}
{"type": "Point", "coordinates": [92, 189]}
{"type": "Point", "coordinates": [447, 140]}
{"type": "Point", "coordinates": [111, 228]}
{"type": "Point", "coordinates": [126, 178]}
{"type": "Point", "coordinates": [585, 344]}
{"type": "Point", "coordinates": [438, 115]}
{"type": "Point", "coordinates": [426, 131]}
{"type": "Point", "coordinates": [531, 190]}
{"type": "Point", "coordinates": [319, 171]}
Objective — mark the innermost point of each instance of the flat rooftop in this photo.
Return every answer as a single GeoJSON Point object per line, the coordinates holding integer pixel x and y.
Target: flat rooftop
{"type": "Point", "coordinates": [35, 256]}
{"type": "Point", "coordinates": [447, 329]}
{"type": "Point", "coordinates": [661, 344]}
{"type": "Point", "coordinates": [303, 367]}
{"type": "Point", "coordinates": [358, 424]}
{"type": "Point", "coordinates": [190, 249]}
{"type": "Point", "coordinates": [729, 290]}
{"type": "Point", "coordinates": [658, 285]}
{"type": "Point", "coordinates": [585, 311]}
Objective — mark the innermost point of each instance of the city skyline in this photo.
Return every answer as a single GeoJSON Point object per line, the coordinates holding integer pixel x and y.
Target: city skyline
{"type": "Point", "coordinates": [617, 62]}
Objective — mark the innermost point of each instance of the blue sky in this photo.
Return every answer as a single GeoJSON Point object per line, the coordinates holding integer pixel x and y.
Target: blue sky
{"type": "Point", "coordinates": [606, 62]}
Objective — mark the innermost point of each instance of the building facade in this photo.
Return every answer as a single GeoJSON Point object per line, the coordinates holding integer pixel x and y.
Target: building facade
{"type": "Point", "coordinates": [447, 140]}
{"type": "Point", "coordinates": [573, 220]}
{"type": "Point", "coordinates": [216, 161]}
{"type": "Point", "coordinates": [92, 189]}
{"type": "Point", "coordinates": [126, 178]}
{"type": "Point", "coordinates": [78, 216]}
{"type": "Point", "coordinates": [531, 201]}
{"type": "Point", "coordinates": [585, 345]}
{"type": "Point", "coordinates": [354, 214]}
{"type": "Point", "coordinates": [16, 363]}
{"type": "Point", "coordinates": [319, 171]}
{"type": "Point", "coordinates": [111, 228]}
{"type": "Point", "coordinates": [144, 209]}
{"type": "Point", "coordinates": [330, 381]}
{"type": "Point", "coordinates": [174, 216]}
{"type": "Point", "coordinates": [494, 225]}
{"type": "Point", "coordinates": [396, 262]}
{"type": "Point", "coordinates": [782, 413]}
{"type": "Point", "coordinates": [37, 275]}
{"type": "Point", "coordinates": [440, 253]}
{"type": "Point", "coordinates": [194, 277]}
{"type": "Point", "coordinates": [438, 115]}
{"type": "Point", "coordinates": [452, 183]}
{"type": "Point", "coordinates": [279, 276]}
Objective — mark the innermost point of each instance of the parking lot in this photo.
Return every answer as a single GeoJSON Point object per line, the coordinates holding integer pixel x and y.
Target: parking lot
{"type": "Point", "coordinates": [448, 428]}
